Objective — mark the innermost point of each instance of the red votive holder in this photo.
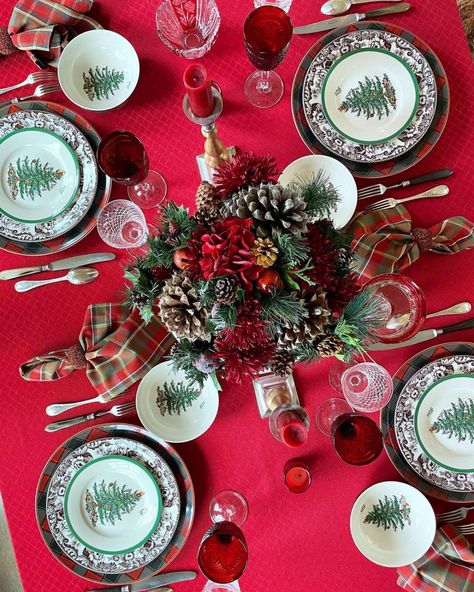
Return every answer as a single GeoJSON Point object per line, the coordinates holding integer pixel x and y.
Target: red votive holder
{"type": "Point", "coordinates": [289, 424]}
{"type": "Point", "coordinates": [296, 476]}
{"type": "Point", "coordinates": [199, 90]}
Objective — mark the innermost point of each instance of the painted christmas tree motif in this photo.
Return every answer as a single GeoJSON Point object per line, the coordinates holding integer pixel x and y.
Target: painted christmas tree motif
{"type": "Point", "coordinates": [372, 97]}
{"type": "Point", "coordinates": [458, 421]}
{"type": "Point", "coordinates": [31, 178]}
{"type": "Point", "coordinates": [390, 513]}
{"type": "Point", "coordinates": [100, 83]}
{"type": "Point", "coordinates": [175, 397]}
{"type": "Point", "coordinates": [107, 503]}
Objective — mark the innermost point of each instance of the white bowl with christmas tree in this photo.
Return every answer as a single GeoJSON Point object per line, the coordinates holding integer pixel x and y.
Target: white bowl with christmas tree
{"type": "Point", "coordinates": [98, 70]}
{"type": "Point", "coordinates": [392, 524]}
{"type": "Point", "coordinates": [173, 408]}
{"type": "Point", "coordinates": [444, 422]}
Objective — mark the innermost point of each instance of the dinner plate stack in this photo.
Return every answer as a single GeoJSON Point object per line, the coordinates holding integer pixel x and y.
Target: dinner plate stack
{"type": "Point", "coordinates": [51, 190]}
{"type": "Point", "coordinates": [373, 95]}
{"type": "Point", "coordinates": [429, 423]}
{"type": "Point", "coordinates": [115, 504]}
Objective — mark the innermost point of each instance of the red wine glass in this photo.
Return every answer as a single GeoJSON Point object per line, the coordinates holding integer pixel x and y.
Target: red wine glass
{"type": "Point", "coordinates": [123, 157]}
{"type": "Point", "coordinates": [356, 438]}
{"type": "Point", "coordinates": [223, 553]}
{"type": "Point", "coordinates": [267, 34]}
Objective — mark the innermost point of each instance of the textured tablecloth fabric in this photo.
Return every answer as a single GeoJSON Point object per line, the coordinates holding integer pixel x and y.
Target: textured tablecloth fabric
{"type": "Point", "coordinates": [296, 542]}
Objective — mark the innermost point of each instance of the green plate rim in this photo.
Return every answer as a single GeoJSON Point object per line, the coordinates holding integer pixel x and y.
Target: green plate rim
{"type": "Point", "coordinates": [417, 410]}
{"type": "Point", "coordinates": [76, 166]}
{"type": "Point", "coordinates": [153, 527]}
{"type": "Point", "coordinates": [350, 54]}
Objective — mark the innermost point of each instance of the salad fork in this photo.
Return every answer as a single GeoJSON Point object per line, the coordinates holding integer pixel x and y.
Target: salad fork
{"type": "Point", "coordinates": [456, 515]}
{"type": "Point", "coordinates": [31, 79]}
{"type": "Point", "coordinates": [379, 189]}
{"type": "Point", "coordinates": [466, 528]}
{"type": "Point", "coordinates": [117, 410]}
{"type": "Point", "coordinates": [40, 91]}
{"type": "Point", "coordinates": [383, 204]}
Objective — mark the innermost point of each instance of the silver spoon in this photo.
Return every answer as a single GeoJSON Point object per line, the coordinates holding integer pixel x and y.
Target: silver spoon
{"type": "Point", "coordinates": [456, 309]}
{"type": "Point", "coordinates": [78, 276]}
{"type": "Point", "coordinates": [333, 7]}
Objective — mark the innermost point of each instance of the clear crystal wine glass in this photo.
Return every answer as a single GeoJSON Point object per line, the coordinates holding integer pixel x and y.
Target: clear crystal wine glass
{"type": "Point", "coordinates": [329, 411]}
{"type": "Point", "coordinates": [367, 386]}
{"type": "Point", "coordinates": [228, 505]}
{"type": "Point", "coordinates": [121, 224]}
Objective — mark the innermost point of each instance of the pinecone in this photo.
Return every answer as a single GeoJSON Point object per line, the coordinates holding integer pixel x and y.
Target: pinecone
{"type": "Point", "coordinates": [329, 346]}
{"type": "Point", "coordinates": [180, 309]}
{"type": "Point", "coordinates": [318, 314]}
{"type": "Point", "coordinates": [265, 252]}
{"type": "Point", "coordinates": [271, 207]}
{"type": "Point", "coordinates": [282, 362]}
{"type": "Point", "coordinates": [226, 290]}
{"type": "Point", "coordinates": [206, 197]}
{"type": "Point", "coordinates": [207, 217]}
{"type": "Point", "coordinates": [137, 298]}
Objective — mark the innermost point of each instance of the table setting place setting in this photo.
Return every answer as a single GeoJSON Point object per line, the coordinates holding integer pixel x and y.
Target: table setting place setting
{"type": "Point", "coordinates": [277, 267]}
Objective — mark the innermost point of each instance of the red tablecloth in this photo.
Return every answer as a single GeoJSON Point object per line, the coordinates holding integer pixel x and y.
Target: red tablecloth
{"type": "Point", "coordinates": [296, 543]}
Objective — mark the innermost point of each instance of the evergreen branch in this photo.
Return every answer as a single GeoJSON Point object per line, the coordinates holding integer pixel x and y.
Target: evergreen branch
{"type": "Point", "coordinates": [175, 397]}
{"type": "Point", "coordinates": [179, 216]}
{"type": "Point", "coordinates": [292, 249]}
{"type": "Point", "coordinates": [184, 356]}
{"type": "Point", "coordinates": [281, 309]}
{"type": "Point", "coordinates": [306, 352]}
{"type": "Point", "coordinates": [161, 252]}
{"type": "Point", "coordinates": [224, 317]}
{"type": "Point", "coordinates": [319, 193]}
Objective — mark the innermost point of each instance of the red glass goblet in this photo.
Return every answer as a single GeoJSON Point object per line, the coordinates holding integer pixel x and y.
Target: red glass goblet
{"type": "Point", "coordinates": [267, 34]}
{"type": "Point", "coordinates": [356, 438]}
{"type": "Point", "coordinates": [223, 553]}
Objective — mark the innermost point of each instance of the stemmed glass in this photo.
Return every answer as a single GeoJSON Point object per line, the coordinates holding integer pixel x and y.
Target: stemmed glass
{"type": "Point", "coordinates": [356, 438]}
{"type": "Point", "coordinates": [122, 225]}
{"type": "Point", "coordinates": [329, 411]}
{"type": "Point", "coordinates": [267, 34]}
{"type": "Point", "coordinates": [367, 386]}
{"type": "Point", "coordinates": [123, 157]}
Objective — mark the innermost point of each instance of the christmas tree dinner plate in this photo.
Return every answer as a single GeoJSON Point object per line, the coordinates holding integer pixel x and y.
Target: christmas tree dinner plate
{"type": "Point", "coordinates": [444, 422]}
{"type": "Point", "coordinates": [404, 423]}
{"type": "Point", "coordinates": [112, 505]}
{"type": "Point", "coordinates": [369, 95]}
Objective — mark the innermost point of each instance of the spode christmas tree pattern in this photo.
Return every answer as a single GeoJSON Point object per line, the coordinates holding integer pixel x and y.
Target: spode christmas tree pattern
{"type": "Point", "coordinates": [31, 178]}
{"type": "Point", "coordinates": [107, 503]}
{"type": "Point", "coordinates": [457, 422]}
{"type": "Point", "coordinates": [100, 83]}
{"type": "Point", "coordinates": [390, 513]}
{"type": "Point", "coordinates": [175, 397]}
{"type": "Point", "coordinates": [371, 97]}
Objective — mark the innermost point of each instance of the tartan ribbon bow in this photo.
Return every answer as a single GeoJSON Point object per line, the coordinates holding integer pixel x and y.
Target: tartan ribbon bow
{"type": "Point", "coordinates": [44, 26]}
{"type": "Point", "coordinates": [385, 241]}
{"type": "Point", "coordinates": [115, 346]}
{"type": "Point", "coordinates": [447, 566]}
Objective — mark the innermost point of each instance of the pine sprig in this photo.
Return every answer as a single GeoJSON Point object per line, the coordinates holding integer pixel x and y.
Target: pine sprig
{"type": "Point", "coordinates": [458, 421]}
{"type": "Point", "coordinates": [319, 193]}
{"type": "Point", "coordinates": [280, 309]}
{"type": "Point", "coordinates": [184, 355]}
{"type": "Point", "coordinates": [175, 397]}
{"type": "Point", "coordinates": [223, 317]}
{"type": "Point", "coordinates": [292, 249]}
{"type": "Point", "coordinates": [307, 352]}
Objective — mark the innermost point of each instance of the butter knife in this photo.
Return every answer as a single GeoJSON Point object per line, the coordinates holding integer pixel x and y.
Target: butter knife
{"type": "Point", "coordinates": [68, 263]}
{"type": "Point", "coordinates": [424, 335]}
{"type": "Point", "coordinates": [152, 583]}
{"type": "Point", "coordinates": [350, 19]}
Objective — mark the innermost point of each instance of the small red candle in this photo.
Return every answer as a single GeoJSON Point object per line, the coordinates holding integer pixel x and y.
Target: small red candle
{"type": "Point", "coordinates": [199, 90]}
{"type": "Point", "coordinates": [296, 476]}
{"type": "Point", "coordinates": [293, 432]}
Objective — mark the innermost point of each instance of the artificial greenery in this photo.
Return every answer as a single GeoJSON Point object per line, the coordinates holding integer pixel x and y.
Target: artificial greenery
{"type": "Point", "coordinates": [292, 249]}
{"type": "Point", "coordinates": [184, 355]}
{"type": "Point", "coordinates": [458, 421]}
{"type": "Point", "coordinates": [319, 193]}
{"type": "Point", "coordinates": [31, 178]}
{"type": "Point", "coordinates": [174, 397]}
{"type": "Point", "coordinates": [223, 316]}
{"type": "Point", "coordinates": [389, 513]}
{"type": "Point", "coordinates": [280, 309]}
{"type": "Point", "coordinates": [100, 83]}
{"type": "Point", "coordinates": [108, 502]}
{"type": "Point", "coordinates": [372, 97]}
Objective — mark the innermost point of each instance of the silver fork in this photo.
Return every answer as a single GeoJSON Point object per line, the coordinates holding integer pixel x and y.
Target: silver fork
{"type": "Point", "coordinates": [467, 528]}
{"type": "Point", "coordinates": [40, 91]}
{"type": "Point", "coordinates": [383, 204]}
{"type": "Point", "coordinates": [456, 515]}
{"type": "Point", "coordinates": [31, 79]}
{"type": "Point", "coordinates": [380, 189]}
{"type": "Point", "coordinates": [117, 410]}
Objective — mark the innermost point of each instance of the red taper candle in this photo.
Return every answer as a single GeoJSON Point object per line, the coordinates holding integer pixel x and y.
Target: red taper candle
{"type": "Point", "coordinates": [199, 90]}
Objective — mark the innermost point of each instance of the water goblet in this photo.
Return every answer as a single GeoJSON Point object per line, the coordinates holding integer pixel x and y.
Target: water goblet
{"type": "Point", "coordinates": [367, 386]}
{"type": "Point", "coordinates": [123, 158]}
{"type": "Point", "coordinates": [356, 438]}
{"type": "Point", "coordinates": [337, 369]}
{"type": "Point", "coordinates": [267, 34]}
{"type": "Point", "coordinates": [122, 225]}
{"type": "Point", "coordinates": [229, 506]}
{"type": "Point", "coordinates": [329, 411]}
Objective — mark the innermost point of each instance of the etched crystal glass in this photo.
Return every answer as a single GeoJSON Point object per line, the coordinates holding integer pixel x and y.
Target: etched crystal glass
{"type": "Point", "coordinates": [188, 27]}
{"type": "Point", "coordinates": [122, 225]}
{"type": "Point", "coordinates": [367, 386]}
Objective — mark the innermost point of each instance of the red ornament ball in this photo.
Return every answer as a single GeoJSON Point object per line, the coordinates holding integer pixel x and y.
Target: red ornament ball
{"type": "Point", "coordinates": [269, 281]}
{"type": "Point", "coordinates": [183, 258]}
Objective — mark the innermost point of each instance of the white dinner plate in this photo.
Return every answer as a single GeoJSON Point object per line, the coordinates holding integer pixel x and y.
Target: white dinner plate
{"type": "Point", "coordinates": [369, 96]}
{"type": "Point", "coordinates": [39, 175]}
{"type": "Point", "coordinates": [336, 174]}
{"type": "Point", "coordinates": [189, 424]}
{"type": "Point", "coordinates": [392, 524]}
{"type": "Point", "coordinates": [98, 70]}
{"type": "Point", "coordinates": [444, 422]}
{"type": "Point", "coordinates": [113, 505]}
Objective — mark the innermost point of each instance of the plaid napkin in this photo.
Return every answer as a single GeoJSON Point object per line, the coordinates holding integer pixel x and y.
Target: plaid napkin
{"type": "Point", "coordinates": [447, 566]}
{"type": "Point", "coordinates": [42, 28]}
{"type": "Point", "coordinates": [115, 346]}
{"type": "Point", "coordinates": [385, 241]}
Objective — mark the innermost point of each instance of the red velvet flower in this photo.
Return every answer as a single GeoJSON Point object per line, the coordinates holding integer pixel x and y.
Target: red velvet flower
{"type": "Point", "coordinates": [227, 251]}
{"type": "Point", "coordinates": [243, 170]}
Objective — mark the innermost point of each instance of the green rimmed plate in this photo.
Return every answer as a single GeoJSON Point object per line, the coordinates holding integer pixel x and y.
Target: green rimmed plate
{"type": "Point", "coordinates": [370, 95]}
{"type": "Point", "coordinates": [112, 505]}
{"type": "Point", "coordinates": [444, 422]}
{"type": "Point", "coordinates": [39, 175]}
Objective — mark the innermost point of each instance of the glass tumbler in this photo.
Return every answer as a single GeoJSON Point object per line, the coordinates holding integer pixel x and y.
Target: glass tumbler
{"type": "Point", "coordinates": [367, 386]}
{"type": "Point", "coordinates": [188, 27]}
{"type": "Point", "coordinates": [122, 225]}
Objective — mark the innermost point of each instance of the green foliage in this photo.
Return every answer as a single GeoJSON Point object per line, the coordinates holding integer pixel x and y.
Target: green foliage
{"type": "Point", "coordinates": [224, 317]}
{"type": "Point", "coordinates": [143, 290]}
{"type": "Point", "coordinates": [319, 193]}
{"type": "Point", "coordinates": [280, 309]}
{"type": "Point", "coordinates": [389, 513]}
{"type": "Point", "coordinates": [458, 421]}
{"type": "Point", "coordinates": [175, 397]}
{"type": "Point", "coordinates": [100, 83]}
{"type": "Point", "coordinates": [184, 356]}
{"type": "Point", "coordinates": [107, 503]}
{"type": "Point", "coordinates": [307, 352]}
{"type": "Point", "coordinates": [30, 178]}
{"type": "Point", "coordinates": [292, 249]}
{"type": "Point", "coordinates": [371, 97]}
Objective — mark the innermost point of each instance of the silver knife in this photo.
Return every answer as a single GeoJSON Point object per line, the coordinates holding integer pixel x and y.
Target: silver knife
{"type": "Point", "coordinates": [424, 335]}
{"type": "Point", "coordinates": [158, 581]}
{"type": "Point", "coordinates": [68, 263]}
{"type": "Point", "coordinates": [350, 19]}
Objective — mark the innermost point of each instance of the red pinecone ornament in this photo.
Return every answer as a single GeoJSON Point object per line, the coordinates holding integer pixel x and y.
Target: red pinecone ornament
{"type": "Point", "coordinates": [243, 170]}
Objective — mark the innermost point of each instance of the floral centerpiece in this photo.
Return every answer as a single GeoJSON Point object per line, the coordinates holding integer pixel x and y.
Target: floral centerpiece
{"type": "Point", "coordinates": [258, 277]}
